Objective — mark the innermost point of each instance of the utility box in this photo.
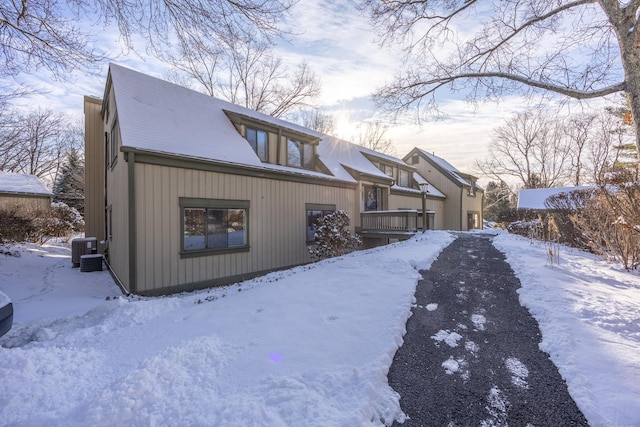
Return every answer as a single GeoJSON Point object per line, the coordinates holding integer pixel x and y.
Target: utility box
{"type": "Point", "coordinates": [82, 246]}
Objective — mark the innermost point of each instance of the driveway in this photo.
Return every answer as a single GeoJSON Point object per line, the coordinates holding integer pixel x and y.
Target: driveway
{"type": "Point", "coordinates": [470, 355]}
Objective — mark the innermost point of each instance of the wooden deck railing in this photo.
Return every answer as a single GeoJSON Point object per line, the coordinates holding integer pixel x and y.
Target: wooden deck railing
{"type": "Point", "coordinates": [391, 221]}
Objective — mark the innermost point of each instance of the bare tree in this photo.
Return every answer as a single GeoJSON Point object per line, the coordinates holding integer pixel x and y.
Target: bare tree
{"type": "Point", "coordinates": [314, 118]}
{"type": "Point", "coordinates": [372, 135]}
{"type": "Point", "coordinates": [37, 142]}
{"type": "Point", "coordinates": [37, 34]}
{"type": "Point", "coordinates": [531, 148]}
{"type": "Point", "coordinates": [578, 48]}
{"type": "Point", "coordinates": [247, 73]}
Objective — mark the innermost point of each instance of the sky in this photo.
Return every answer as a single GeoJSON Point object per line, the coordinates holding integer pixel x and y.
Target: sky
{"type": "Point", "coordinates": [258, 353]}
{"type": "Point", "coordinates": [338, 43]}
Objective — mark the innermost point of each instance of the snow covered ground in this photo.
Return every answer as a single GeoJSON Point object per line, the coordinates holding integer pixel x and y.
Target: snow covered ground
{"type": "Point", "coordinates": [309, 346]}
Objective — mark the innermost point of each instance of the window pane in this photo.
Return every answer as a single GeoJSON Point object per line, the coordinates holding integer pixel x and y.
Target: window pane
{"type": "Point", "coordinates": [309, 157]}
{"type": "Point", "coordinates": [370, 199]}
{"type": "Point", "coordinates": [216, 228]}
{"type": "Point", "coordinates": [252, 137]}
{"type": "Point", "coordinates": [194, 229]}
{"type": "Point", "coordinates": [261, 142]}
{"type": "Point", "coordinates": [404, 178]}
{"type": "Point", "coordinates": [236, 227]}
{"type": "Point", "coordinates": [312, 222]}
{"type": "Point", "coordinates": [294, 153]}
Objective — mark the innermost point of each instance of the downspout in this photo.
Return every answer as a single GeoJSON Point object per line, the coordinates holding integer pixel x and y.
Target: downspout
{"type": "Point", "coordinates": [461, 208]}
{"type": "Point", "coordinates": [132, 221]}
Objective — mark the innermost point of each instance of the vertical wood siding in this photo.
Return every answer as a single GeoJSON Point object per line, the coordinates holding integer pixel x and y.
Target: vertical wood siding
{"type": "Point", "coordinates": [452, 206]}
{"type": "Point", "coordinates": [94, 209]}
{"type": "Point", "coordinates": [277, 223]}
{"type": "Point", "coordinates": [25, 203]}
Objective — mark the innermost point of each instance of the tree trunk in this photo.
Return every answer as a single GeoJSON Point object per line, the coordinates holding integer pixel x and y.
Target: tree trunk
{"type": "Point", "coordinates": [624, 24]}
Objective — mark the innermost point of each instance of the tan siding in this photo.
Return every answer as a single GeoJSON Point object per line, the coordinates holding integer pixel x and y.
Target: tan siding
{"type": "Point", "coordinates": [25, 203]}
{"type": "Point", "coordinates": [277, 221]}
{"type": "Point", "coordinates": [94, 208]}
{"type": "Point", "coordinates": [452, 207]}
{"type": "Point", "coordinates": [118, 199]}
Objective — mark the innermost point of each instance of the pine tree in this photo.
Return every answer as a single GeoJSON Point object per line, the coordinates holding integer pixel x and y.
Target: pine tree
{"type": "Point", "coordinates": [498, 201]}
{"type": "Point", "coordinates": [69, 186]}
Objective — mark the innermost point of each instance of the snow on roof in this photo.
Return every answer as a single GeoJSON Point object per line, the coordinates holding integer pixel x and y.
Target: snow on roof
{"type": "Point", "coordinates": [534, 198]}
{"type": "Point", "coordinates": [336, 153]}
{"type": "Point", "coordinates": [21, 183]}
{"type": "Point", "coordinates": [448, 167]}
{"type": "Point", "coordinates": [432, 189]}
{"type": "Point", "coordinates": [163, 117]}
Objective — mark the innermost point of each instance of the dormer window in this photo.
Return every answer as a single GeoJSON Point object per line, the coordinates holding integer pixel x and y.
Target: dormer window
{"type": "Point", "coordinates": [403, 179]}
{"type": "Point", "coordinates": [472, 188]}
{"type": "Point", "coordinates": [258, 139]}
{"type": "Point", "coordinates": [388, 170]}
{"type": "Point", "coordinates": [300, 155]}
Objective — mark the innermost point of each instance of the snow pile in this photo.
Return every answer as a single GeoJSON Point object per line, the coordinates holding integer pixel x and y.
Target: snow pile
{"type": "Point", "coordinates": [588, 314]}
{"type": "Point", "coordinates": [308, 346]}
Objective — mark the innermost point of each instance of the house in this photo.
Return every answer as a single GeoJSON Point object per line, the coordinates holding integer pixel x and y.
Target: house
{"type": "Point", "coordinates": [188, 191]}
{"type": "Point", "coordinates": [23, 192]}
{"type": "Point", "coordinates": [464, 208]}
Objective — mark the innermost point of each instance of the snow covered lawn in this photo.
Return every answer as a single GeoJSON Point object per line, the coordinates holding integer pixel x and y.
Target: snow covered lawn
{"type": "Point", "coordinates": [309, 346]}
{"type": "Point", "coordinates": [589, 315]}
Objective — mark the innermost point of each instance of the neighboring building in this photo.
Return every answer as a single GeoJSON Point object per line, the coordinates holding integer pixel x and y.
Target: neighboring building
{"type": "Point", "coordinates": [188, 191]}
{"type": "Point", "coordinates": [534, 198]}
{"type": "Point", "coordinates": [23, 192]}
{"type": "Point", "coordinates": [463, 210]}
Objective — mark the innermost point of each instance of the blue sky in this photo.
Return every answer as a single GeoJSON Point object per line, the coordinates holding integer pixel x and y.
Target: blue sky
{"type": "Point", "coordinates": [338, 43]}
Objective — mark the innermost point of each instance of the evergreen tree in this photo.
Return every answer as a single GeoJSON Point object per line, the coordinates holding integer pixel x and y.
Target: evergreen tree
{"type": "Point", "coordinates": [69, 186]}
{"type": "Point", "coordinates": [498, 201]}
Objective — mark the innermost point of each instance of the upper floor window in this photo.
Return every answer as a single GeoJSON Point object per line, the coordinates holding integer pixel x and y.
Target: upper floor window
{"type": "Point", "coordinates": [258, 139]}
{"type": "Point", "coordinates": [415, 159]}
{"type": "Point", "coordinates": [388, 170]}
{"type": "Point", "coordinates": [113, 142]}
{"type": "Point", "coordinates": [472, 188]}
{"type": "Point", "coordinates": [300, 155]}
{"type": "Point", "coordinates": [404, 180]}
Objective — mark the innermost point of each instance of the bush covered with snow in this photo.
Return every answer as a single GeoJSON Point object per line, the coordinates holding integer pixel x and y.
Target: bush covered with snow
{"type": "Point", "coordinates": [333, 237]}
{"type": "Point", "coordinates": [31, 225]}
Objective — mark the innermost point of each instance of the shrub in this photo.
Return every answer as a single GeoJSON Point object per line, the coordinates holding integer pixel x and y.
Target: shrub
{"type": "Point", "coordinates": [611, 220]}
{"type": "Point", "coordinates": [20, 225]}
{"type": "Point", "coordinates": [333, 237]}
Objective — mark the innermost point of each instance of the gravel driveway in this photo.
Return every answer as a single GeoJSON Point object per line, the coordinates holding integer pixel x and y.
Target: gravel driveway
{"type": "Point", "coordinates": [470, 356]}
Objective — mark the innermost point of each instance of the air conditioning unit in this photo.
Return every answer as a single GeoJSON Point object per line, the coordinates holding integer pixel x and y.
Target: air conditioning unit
{"type": "Point", "coordinates": [82, 246]}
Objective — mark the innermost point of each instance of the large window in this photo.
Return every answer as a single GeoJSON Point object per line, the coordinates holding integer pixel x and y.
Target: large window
{"type": "Point", "coordinates": [371, 197]}
{"type": "Point", "coordinates": [214, 225]}
{"type": "Point", "coordinates": [314, 213]}
{"type": "Point", "coordinates": [258, 139]}
{"type": "Point", "coordinates": [300, 155]}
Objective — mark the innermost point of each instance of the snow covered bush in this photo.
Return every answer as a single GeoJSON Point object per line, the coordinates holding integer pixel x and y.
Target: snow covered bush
{"type": "Point", "coordinates": [333, 237]}
{"type": "Point", "coordinates": [28, 225]}
{"type": "Point", "coordinates": [17, 225]}
{"type": "Point", "coordinates": [60, 221]}
{"type": "Point", "coordinates": [611, 220]}
{"type": "Point", "coordinates": [562, 208]}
